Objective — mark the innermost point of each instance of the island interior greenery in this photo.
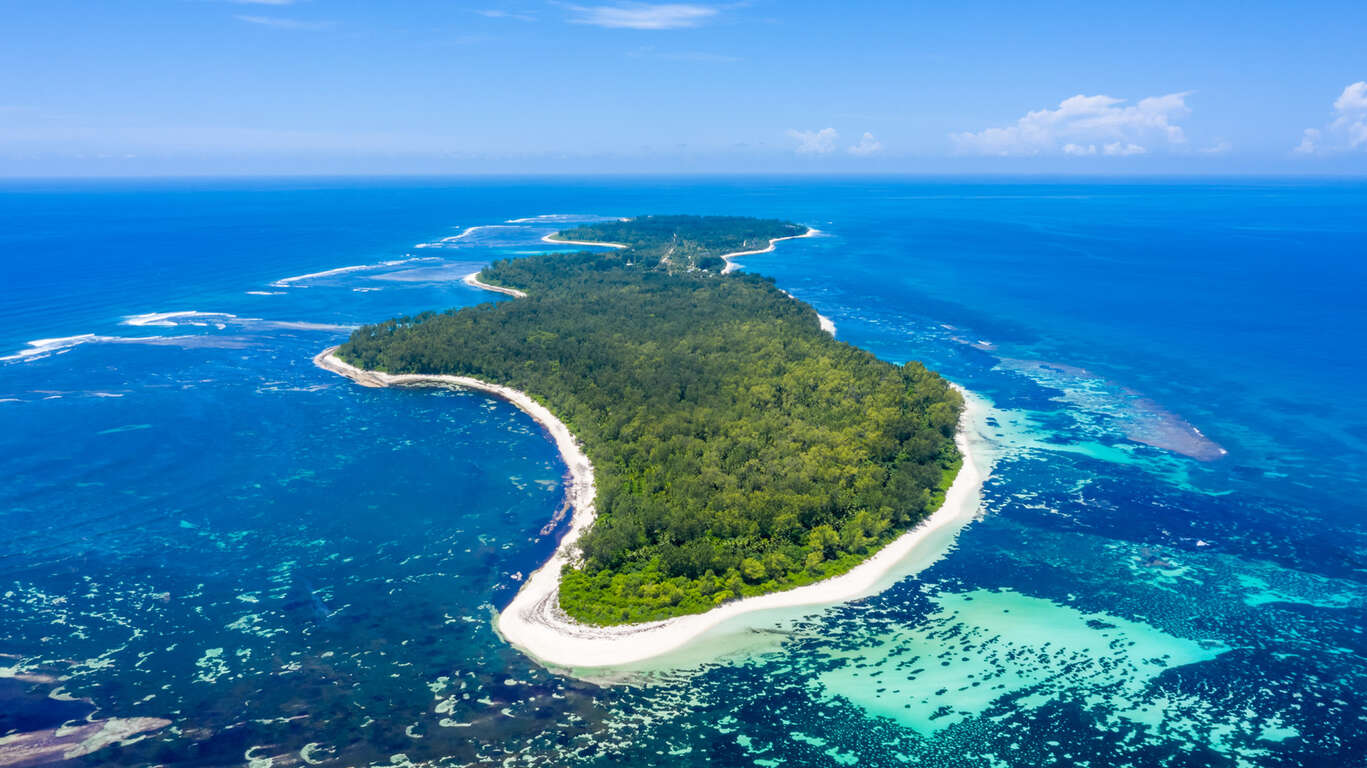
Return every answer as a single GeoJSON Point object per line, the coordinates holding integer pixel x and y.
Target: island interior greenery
{"type": "Point", "coordinates": [737, 448]}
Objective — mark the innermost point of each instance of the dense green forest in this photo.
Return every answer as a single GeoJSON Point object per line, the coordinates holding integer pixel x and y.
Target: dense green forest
{"type": "Point", "coordinates": [737, 448]}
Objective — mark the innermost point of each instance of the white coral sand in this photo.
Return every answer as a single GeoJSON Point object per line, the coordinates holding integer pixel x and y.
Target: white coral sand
{"type": "Point", "coordinates": [732, 266]}
{"type": "Point", "coordinates": [534, 622]}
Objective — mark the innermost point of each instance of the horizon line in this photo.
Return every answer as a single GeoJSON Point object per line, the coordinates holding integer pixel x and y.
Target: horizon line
{"type": "Point", "coordinates": [1079, 174]}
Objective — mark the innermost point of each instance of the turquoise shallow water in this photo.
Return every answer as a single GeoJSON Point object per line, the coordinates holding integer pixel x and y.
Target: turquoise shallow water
{"type": "Point", "coordinates": [273, 564]}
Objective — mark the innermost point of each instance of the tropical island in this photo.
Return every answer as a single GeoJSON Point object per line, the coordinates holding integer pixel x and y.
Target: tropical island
{"type": "Point", "coordinates": [736, 448]}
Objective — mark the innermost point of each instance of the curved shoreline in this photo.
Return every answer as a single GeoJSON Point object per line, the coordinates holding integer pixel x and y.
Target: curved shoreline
{"type": "Point", "coordinates": [581, 490]}
{"type": "Point", "coordinates": [534, 622]}
{"type": "Point", "coordinates": [473, 281]}
{"type": "Point", "coordinates": [726, 257]}
{"type": "Point", "coordinates": [732, 266]}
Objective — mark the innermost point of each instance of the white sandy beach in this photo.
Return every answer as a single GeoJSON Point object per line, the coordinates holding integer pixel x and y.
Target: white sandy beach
{"type": "Point", "coordinates": [732, 266]}
{"type": "Point", "coordinates": [473, 281]}
{"type": "Point", "coordinates": [581, 490]}
{"type": "Point", "coordinates": [826, 323]}
{"type": "Point", "coordinates": [534, 622]}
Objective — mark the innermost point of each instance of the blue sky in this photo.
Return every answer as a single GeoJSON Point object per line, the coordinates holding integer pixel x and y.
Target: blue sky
{"type": "Point", "coordinates": [441, 86]}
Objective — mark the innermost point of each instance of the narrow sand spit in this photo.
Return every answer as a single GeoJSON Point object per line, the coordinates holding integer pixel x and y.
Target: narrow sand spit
{"type": "Point", "coordinates": [534, 622]}
{"type": "Point", "coordinates": [472, 280]}
{"type": "Point", "coordinates": [732, 266]}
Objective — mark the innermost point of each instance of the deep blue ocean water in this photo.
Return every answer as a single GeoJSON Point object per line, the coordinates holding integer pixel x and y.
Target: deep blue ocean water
{"type": "Point", "coordinates": [277, 567]}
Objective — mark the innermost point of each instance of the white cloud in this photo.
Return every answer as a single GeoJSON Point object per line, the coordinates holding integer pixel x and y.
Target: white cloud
{"type": "Point", "coordinates": [1309, 141]}
{"type": "Point", "coordinates": [1357, 132]}
{"type": "Point", "coordinates": [1221, 147]}
{"type": "Point", "coordinates": [820, 142]}
{"type": "Point", "coordinates": [1118, 149]}
{"type": "Point", "coordinates": [1353, 98]}
{"type": "Point", "coordinates": [1114, 149]}
{"type": "Point", "coordinates": [642, 15]}
{"type": "Point", "coordinates": [279, 23]}
{"type": "Point", "coordinates": [499, 14]}
{"type": "Point", "coordinates": [1085, 125]}
{"type": "Point", "coordinates": [867, 145]}
{"type": "Point", "coordinates": [1348, 131]}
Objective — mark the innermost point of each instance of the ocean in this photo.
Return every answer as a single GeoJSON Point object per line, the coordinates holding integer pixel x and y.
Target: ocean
{"type": "Point", "coordinates": [215, 553]}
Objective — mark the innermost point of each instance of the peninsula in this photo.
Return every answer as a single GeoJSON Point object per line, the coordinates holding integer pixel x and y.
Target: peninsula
{"type": "Point", "coordinates": [722, 445]}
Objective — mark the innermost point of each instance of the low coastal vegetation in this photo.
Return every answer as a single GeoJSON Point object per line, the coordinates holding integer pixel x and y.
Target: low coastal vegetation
{"type": "Point", "coordinates": [737, 448]}
{"type": "Point", "coordinates": [684, 242]}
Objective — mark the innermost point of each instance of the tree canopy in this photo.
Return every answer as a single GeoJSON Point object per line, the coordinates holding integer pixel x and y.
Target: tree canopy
{"type": "Point", "coordinates": [686, 242]}
{"type": "Point", "coordinates": [737, 448]}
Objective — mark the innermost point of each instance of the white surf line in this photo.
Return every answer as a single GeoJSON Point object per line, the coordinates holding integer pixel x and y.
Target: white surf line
{"type": "Point", "coordinates": [732, 266]}
{"type": "Point", "coordinates": [186, 317]}
{"type": "Point", "coordinates": [286, 282]}
{"type": "Point", "coordinates": [40, 348]}
{"type": "Point", "coordinates": [53, 345]}
{"type": "Point", "coordinates": [468, 231]}
{"type": "Point", "coordinates": [473, 281]}
{"type": "Point", "coordinates": [221, 320]}
{"type": "Point", "coordinates": [560, 218]}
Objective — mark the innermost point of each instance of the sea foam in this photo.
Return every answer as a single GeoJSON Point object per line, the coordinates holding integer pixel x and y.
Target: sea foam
{"type": "Point", "coordinates": [45, 347]}
{"type": "Point", "coordinates": [172, 319]}
{"type": "Point", "coordinates": [42, 348]}
{"type": "Point", "coordinates": [289, 282]}
{"type": "Point", "coordinates": [221, 320]}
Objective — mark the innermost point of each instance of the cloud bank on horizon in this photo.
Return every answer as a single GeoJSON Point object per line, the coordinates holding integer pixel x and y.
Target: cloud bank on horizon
{"type": "Point", "coordinates": [1085, 126]}
{"type": "Point", "coordinates": [824, 141]}
{"type": "Point", "coordinates": [513, 86]}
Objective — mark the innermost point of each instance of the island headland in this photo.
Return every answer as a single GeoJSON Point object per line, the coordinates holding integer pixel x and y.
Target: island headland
{"type": "Point", "coordinates": [745, 460]}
